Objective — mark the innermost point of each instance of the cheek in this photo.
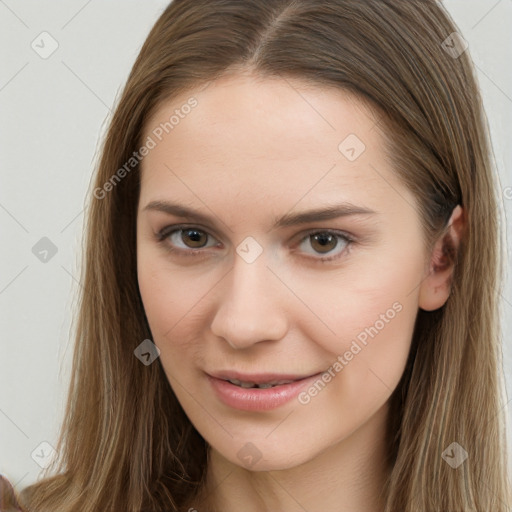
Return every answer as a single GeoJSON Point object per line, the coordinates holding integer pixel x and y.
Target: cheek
{"type": "Point", "coordinates": [373, 320]}
{"type": "Point", "coordinates": [174, 306]}
{"type": "Point", "coordinates": [163, 290]}
{"type": "Point", "coordinates": [377, 298]}
{"type": "Point", "coordinates": [373, 306]}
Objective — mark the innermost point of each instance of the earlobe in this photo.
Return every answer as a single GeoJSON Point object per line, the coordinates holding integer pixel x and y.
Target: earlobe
{"type": "Point", "coordinates": [436, 287]}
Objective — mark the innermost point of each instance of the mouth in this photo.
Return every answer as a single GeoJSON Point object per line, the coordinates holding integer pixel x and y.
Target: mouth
{"type": "Point", "coordinates": [260, 380]}
{"type": "Point", "coordinates": [258, 392]}
{"type": "Point", "coordinates": [263, 385]}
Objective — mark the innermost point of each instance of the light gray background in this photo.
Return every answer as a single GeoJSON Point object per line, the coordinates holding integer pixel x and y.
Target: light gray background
{"type": "Point", "coordinates": [53, 113]}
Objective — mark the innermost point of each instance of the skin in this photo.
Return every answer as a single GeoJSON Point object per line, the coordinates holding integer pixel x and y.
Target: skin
{"type": "Point", "coordinates": [251, 151]}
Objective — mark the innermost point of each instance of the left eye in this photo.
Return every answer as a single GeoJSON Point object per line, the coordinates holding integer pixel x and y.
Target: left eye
{"type": "Point", "coordinates": [324, 242]}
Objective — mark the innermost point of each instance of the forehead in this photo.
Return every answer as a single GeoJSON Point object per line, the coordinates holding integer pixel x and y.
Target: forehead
{"type": "Point", "coordinates": [268, 138]}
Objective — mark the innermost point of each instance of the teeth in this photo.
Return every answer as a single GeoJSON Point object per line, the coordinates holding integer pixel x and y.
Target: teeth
{"type": "Point", "coordinates": [266, 385]}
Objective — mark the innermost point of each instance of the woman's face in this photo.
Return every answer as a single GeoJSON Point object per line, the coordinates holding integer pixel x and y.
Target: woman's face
{"type": "Point", "coordinates": [288, 250]}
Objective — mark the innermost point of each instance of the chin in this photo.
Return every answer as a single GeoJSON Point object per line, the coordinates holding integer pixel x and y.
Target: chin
{"type": "Point", "coordinates": [276, 459]}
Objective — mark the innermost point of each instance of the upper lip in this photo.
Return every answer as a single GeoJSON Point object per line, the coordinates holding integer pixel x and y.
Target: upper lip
{"type": "Point", "coordinates": [258, 378]}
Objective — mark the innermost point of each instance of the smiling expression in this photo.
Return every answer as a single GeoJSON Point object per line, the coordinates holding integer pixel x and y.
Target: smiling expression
{"type": "Point", "coordinates": [259, 283]}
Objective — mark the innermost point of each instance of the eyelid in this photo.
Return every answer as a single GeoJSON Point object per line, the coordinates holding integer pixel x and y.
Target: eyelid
{"type": "Point", "coordinates": [168, 229]}
{"type": "Point", "coordinates": [336, 232]}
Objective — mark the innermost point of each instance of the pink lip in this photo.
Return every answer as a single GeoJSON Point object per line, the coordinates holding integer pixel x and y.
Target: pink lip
{"type": "Point", "coordinates": [257, 378]}
{"type": "Point", "coordinates": [254, 399]}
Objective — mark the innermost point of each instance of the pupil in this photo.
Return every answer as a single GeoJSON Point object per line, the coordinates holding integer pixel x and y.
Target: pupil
{"type": "Point", "coordinates": [194, 235]}
{"type": "Point", "coordinates": [323, 240]}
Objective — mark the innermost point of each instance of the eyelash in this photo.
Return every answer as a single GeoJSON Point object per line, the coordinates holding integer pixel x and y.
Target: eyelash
{"type": "Point", "coordinates": [166, 232]}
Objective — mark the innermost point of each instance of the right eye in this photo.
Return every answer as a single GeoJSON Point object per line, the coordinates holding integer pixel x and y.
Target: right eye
{"type": "Point", "coordinates": [187, 240]}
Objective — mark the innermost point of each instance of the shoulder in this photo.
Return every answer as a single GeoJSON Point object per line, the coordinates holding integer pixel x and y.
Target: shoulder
{"type": "Point", "coordinates": [8, 502]}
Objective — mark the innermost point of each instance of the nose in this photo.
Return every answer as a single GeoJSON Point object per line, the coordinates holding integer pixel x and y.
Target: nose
{"type": "Point", "coordinates": [250, 308]}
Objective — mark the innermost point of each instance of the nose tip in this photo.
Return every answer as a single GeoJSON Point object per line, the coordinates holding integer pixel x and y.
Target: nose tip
{"type": "Point", "coordinates": [248, 309]}
{"type": "Point", "coordinates": [241, 334]}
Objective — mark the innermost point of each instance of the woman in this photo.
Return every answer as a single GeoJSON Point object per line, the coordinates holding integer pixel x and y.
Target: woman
{"type": "Point", "coordinates": [291, 272]}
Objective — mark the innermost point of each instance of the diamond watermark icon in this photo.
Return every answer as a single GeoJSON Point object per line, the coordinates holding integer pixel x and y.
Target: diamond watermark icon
{"type": "Point", "coordinates": [455, 455]}
{"type": "Point", "coordinates": [352, 147]}
{"type": "Point", "coordinates": [249, 249]}
{"type": "Point", "coordinates": [44, 45]}
{"type": "Point", "coordinates": [249, 455]}
{"type": "Point", "coordinates": [44, 250]}
{"type": "Point", "coordinates": [44, 454]}
{"type": "Point", "coordinates": [455, 45]}
{"type": "Point", "coordinates": [147, 352]}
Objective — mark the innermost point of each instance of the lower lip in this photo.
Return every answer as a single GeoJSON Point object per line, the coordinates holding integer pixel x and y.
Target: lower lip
{"type": "Point", "coordinates": [255, 399]}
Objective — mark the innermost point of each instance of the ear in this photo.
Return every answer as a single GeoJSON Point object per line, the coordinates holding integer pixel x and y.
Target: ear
{"type": "Point", "coordinates": [436, 287]}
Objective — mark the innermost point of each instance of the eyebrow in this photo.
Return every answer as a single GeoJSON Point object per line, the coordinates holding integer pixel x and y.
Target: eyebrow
{"type": "Point", "coordinates": [289, 219]}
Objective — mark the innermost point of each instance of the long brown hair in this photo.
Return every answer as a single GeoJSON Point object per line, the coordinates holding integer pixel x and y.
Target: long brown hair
{"type": "Point", "coordinates": [126, 444]}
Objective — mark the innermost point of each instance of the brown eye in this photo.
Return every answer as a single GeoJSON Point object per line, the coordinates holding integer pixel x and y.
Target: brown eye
{"type": "Point", "coordinates": [184, 239]}
{"type": "Point", "coordinates": [193, 238]}
{"type": "Point", "coordinates": [323, 242]}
